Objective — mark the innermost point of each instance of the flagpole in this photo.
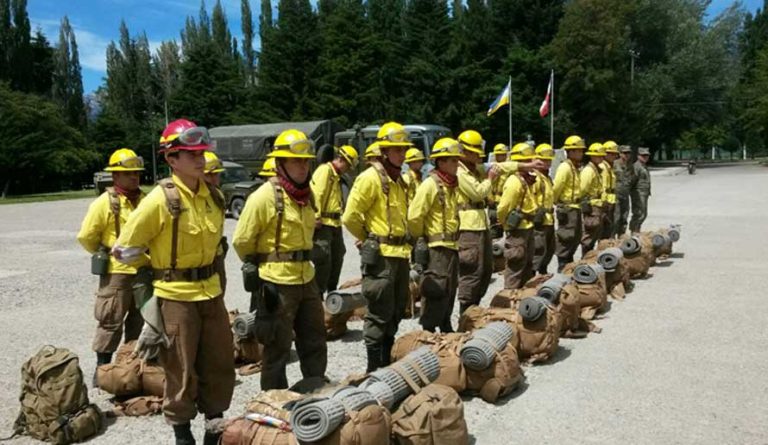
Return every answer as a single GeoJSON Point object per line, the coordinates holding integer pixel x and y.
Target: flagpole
{"type": "Point", "coordinates": [510, 112]}
{"type": "Point", "coordinates": [552, 111]}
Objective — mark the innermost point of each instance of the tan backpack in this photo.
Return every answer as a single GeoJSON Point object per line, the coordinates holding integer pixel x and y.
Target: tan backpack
{"type": "Point", "coordinates": [130, 376]}
{"type": "Point", "coordinates": [54, 399]}
{"type": "Point", "coordinates": [476, 317]}
{"type": "Point", "coordinates": [433, 416]}
{"type": "Point", "coordinates": [248, 351]}
{"type": "Point", "coordinates": [336, 324]}
{"type": "Point", "coordinates": [593, 298]}
{"type": "Point", "coordinates": [539, 339]}
{"type": "Point", "coordinates": [371, 425]}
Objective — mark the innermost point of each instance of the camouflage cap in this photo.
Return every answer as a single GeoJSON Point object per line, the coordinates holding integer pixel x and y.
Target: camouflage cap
{"type": "Point", "coordinates": [625, 149]}
{"type": "Point", "coordinates": [643, 151]}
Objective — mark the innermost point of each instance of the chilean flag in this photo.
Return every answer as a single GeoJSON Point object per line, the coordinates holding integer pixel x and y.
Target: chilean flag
{"type": "Point", "coordinates": [544, 108]}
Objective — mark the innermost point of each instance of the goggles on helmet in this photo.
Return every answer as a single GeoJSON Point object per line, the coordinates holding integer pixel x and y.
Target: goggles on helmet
{"type": "Point", "coordinates": [454, 149]}
{"type": "Point", "coordinates": [192, 136]}
{"type": "Point", "coordinates": [395, 135]}
{"type": "Point", "coordinates": [135, 162]}
{"type": "Point", "coordinates": [299, 147]}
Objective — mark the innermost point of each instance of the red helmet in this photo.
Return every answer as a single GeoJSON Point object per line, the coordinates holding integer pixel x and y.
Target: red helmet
{"type": "Point", "coordinates": [183, 134]}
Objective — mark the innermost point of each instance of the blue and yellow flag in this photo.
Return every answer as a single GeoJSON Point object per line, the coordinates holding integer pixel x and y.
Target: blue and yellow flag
{"type": "Point", "coordinates": [502, 100]}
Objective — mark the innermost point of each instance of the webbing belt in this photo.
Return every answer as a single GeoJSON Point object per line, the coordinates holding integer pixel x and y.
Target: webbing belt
{"type": "Point", "coordinates": [191, 274]}
{"type": "Point", "coordinates": [290, 256]}
{"type": "Point", "coordinates": [443, 237]}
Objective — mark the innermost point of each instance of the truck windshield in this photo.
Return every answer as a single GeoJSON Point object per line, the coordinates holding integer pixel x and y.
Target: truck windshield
{"type": "Point", "coordinates": [236, 174]}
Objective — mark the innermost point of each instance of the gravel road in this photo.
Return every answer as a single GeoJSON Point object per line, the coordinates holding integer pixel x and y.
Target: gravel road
{"type": "Point", "coordinates": [682, 360]}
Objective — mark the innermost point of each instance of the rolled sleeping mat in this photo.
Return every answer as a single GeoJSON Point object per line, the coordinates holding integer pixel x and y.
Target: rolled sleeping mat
{"type": "Point", "coordinates": [532, 308]}
{"type": "Point", "coordinates": [630, 246]}
{"type": "Point", "coordinates": [244, 325]}
{"type": "Point", "coordinates": [340, 302]}
{"type": "Point", "coordinates": [382, 393]}
{"type": "Point", "coordinates": [354, 398]}
{"type": "Point", "coordinates": [316, 419]}
{"type": "Point", "coordinates": [498, 248]}
{"type": "Point", "coordinates": [610, 258]}
{"type": "Point", "coordinates": [394, 381]}
{"type": "Point", "coordinates": [414, 275]}
{"type": "Point", "coordinates": [497, 334]}
{"type": "Point", "coordinates": [427, 362]}
{"type": "Point", "coordinates": [477, 354]}
{"type": "Point", "coordinates": [587, 273]}
{"type": "Point", "coordinates": [551, 288]}
{"type": "Point", "coordinates": [674, 233]}
{"type": "Point", "coordinates": [658, 240]}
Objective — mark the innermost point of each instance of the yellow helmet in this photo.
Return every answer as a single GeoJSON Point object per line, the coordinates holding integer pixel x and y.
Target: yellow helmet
{"type": "Point", "coordinates": [596, 149]}
{"type": "Point", "coordinates": [413, 155]}
{"type": "Point", "coordinates": [472, 141]}
{"type": "Point", "coordinates": [392, 134]}
{"type": "Point", "coordinates": [574, 143]}
{"type": "Point", "coordinates": [500, 149]}
{"type": "Point", "coordinates": [445, 148]}
{"type": "Point", "coordinates": [269, 168]}
{"type": "Point", "coordinates": [125, 160]}
{"type": "Point", "coordinates": [293, 144]}
{"type": "Point", "coordinates": [522, 152]}
{"type": "Point", "coordinates": [545, 151]}
{"type": "Point", "coordinates": [373, 151]}
{"type": "Point", "coordinates": [349, 154]}
{"type": "Point", "coordinates": [611, 147]}
{"type": "Point", "coordinates": [212, 163]}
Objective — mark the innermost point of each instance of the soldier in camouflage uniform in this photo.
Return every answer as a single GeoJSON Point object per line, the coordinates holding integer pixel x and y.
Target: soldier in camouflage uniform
{"type": "Point", "coordinates": [641, 191]}
{"type": "Point", "coordinates": [626, 179]}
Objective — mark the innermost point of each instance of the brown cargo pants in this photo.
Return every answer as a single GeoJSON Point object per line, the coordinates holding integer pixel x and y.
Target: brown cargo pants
{"type": "Point", "coordinates": [438, 289]}
{"type": "Point", "coordinates": [199, 365]}
{"type": "Point", "coordinates": [568, 235]}
{"type": "Point", "coordinates": [114, 308]}
{"type": "Point", "coordinates": [593, 228]}
{"type": "Point", "coordinates": [518, 253]}
{"type": "Point", "coordinates": [544, 248]}
{"type": "Point", "coordinates": [300, 313]}
{"type": "Point", "coordinates": [329, 241]}
{"type": "Point", "coordinates": [475, 265]}
{"type": "Point", "coordinates": [385, 286]}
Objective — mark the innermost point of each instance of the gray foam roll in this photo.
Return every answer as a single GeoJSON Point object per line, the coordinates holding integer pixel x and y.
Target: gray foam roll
{"type": "Point", "coordinates": [338, 302]}
{"type": "Point", "coordinates": [585, 274]}
{"type": "Point", "coordinates": [497, 248]}
{"type": "Point", "coordinates": [353, 398]}
{"type": "Point", "coordinates": [551, 288]}
{"type": "Point", "coordinates": [393, 380]}
{"type": "Point", "coordinates": [382, 393]}
{"type": "Point", "coordinates": [497, 333]}
{"type": "Point", "coordinates": [674, 234]}
{"type": "Point", "coordinates": [316, 420]}
{"type": "Point", "coordinates": [610, 258]}
{"type": "Point", "coordinates": [477, 354]}
{"type": "Point", "coordinates": [532, 308]}
{"type": "Point", "coordinates": [630, 246]}
{"type": "Point", "coordinates": [244, 325]}
{"type": "Point", "coordinates": [658, 240]}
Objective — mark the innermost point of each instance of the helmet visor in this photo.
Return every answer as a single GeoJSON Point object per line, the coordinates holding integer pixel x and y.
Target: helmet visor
{"type": "Point", "coordinates": [136, 162]}
{"type": "Point", "coordinates": [451, 150]}
{"type": "Point", "coordinates": [395, 135]}
{"type": "Point", "coordinates": [299, 147]}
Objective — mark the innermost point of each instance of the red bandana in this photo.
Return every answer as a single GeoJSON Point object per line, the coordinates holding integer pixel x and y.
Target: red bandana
{"type": "Point", "coordinates": [299, 193]}
{"type": "Point", "coordinates": [449, 180]}
{"type": "Point", "coordinates": [131, 195]}
{"type": "Point", "coordinates": [392, 171]}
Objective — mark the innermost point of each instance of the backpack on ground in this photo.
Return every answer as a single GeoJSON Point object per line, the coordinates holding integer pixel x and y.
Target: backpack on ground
{"type": "Point", "coordinates": [54, 399]}
{"type": "Point", "coordinates": [433, 416]}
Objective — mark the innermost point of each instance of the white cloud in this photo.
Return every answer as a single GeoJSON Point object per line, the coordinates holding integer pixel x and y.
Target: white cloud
{"type": "Point", "coordinates": [92, 47]}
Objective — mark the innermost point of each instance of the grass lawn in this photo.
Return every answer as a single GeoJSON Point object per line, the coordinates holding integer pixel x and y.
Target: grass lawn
{"type": "Point", "coordinates": [59, 196]}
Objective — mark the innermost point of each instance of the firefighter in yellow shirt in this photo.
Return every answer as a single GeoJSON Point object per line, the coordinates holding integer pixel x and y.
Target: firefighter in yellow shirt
{"type": "Point", "coordinates": [376, 215]}
{"type": "Point", "coordinates": [276, 230]}
{"type": "Point", "coordinates": [566, 192]}
{"type": "Point", "coordinates": [433, 213]}
{"type": "Point", "coordinates": [181, 223]}
{"type": "Point", "coordinates": [500, 154]}
{"type": "Point", "coordinates": [414, 158]}
{"type": "Point", "coordinates": [609, 189]}
{"type": "Point", "coordinates": [115, 306]}
{"type": "Point", "coordinates": [592, 191]}
{"type": "Point", "coordinates": [213, 169]}
{"type": "Point", "coordinates": [516, 210]}
{"type": "Point", "coordinates": [372, 153]}
{"type": "Point", "coordinates": [544, 222]}
{"type": "Point", "coordinates": [328, 251]}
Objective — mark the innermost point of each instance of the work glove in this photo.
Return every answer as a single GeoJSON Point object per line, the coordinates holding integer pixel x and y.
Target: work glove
{"type": "Point", "coordinates": [150, 341]}
{"type": "Point", "coordinates": [127, 255]}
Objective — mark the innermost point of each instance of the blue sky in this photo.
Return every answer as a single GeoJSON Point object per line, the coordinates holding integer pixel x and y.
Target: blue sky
{"type": "Point", "coordinates": [97, 22]}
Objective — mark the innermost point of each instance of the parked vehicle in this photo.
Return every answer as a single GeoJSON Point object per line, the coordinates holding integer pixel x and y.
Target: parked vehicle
{"type": "Point", "coordinates": [101, 180]}
{"type": "Point", "coordinates": [237, 183]}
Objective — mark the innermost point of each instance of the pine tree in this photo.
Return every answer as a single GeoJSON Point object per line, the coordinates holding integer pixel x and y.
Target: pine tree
{"type": "Point", "coordinates": [67, 78]}
{"type": "Point", "coordinates": [6, 33]}
{"type": "Point", "coordinates": [249, 55]}
{"type": "Point", "coordinates": [385, 21]}
{"type": "Point", "coordinates": [220, 29]}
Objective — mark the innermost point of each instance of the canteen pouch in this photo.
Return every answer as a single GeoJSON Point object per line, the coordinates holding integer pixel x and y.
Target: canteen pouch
{"type": "Point", "coordinates": [251, 280]}
{"type": "Point", "coordinates": [538, 218]}
{"type": "Point", "coordinates": [100, 262]}
{"type": "Point", "coordinates": [586, 207]}
{"type": "Point", "coordinates": [142, 286]}
{"type": "Point", "coordinates": [562, 216]}
{"type": "Point", "coordinates": [369, 253]}
{"type": "Point", "coordinates": [513, 220]}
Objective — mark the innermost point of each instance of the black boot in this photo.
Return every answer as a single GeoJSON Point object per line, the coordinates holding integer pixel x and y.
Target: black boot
{"type": "Point", "coordinates": [213, 429]}
{"type": "Point", "coordinates": [386, 354]}
{"type": "Point", "coordinates": [375, 353]}
{"type": "Point", "coordinates": [463, 308]}
{"type": "Point", "coordinates": [183, 434]}
{"type": "Point", "coordinates": [102, 358]}
{"type": "Point", "coordinates": [561, 264]}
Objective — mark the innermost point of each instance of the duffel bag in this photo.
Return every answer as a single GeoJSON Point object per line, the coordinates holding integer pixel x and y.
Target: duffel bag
{"type": "Point", "coordinates": [433, 416]}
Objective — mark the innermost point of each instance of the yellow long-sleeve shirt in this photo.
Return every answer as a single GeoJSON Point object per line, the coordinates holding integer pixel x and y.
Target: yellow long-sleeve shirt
{"type": "Point", "coordinates": [326, 187]}
{"type": "Point", "coordinates": [592, 185]}
{"type": "Point", "coordinates": [432, 217]}
{"type": "Point", "coordinates": [473, 197]}
{"type": "Point", "coordinates": [545, 197]}
{"type": "Point", "coordinates": [369, 210]}
{"type": "Point", "coordinates": [98, 229]}
{"type": "Point", "coordinates": [609, 182]}
{"type": "Point", "coordinates": [566, 189]}
{"type": "Point", "coordinates": [517, 195]}
{"type": "Point", "coordinates": [498, 185]}
{"type": "Point", "coordinates": [256, 231]}
{"type": "Point", "coordinates": [201, 225]}
{"type": "Point", "coordinates": [412, 181]}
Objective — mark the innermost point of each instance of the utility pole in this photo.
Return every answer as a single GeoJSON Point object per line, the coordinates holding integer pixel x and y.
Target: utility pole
{"type": "Point", "coordinates": [633, 55]}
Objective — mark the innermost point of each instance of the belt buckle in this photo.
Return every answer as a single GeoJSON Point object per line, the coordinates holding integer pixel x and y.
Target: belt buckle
{"type": "Point", "coordinates": [194, 275]}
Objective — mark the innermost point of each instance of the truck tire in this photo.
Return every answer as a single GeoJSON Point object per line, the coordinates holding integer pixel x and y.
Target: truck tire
{"type": "Point", "coordinates": [236, 206]}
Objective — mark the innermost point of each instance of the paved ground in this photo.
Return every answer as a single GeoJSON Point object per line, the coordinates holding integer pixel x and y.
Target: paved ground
{"type": "Point", "coordinates": [682, 360]}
